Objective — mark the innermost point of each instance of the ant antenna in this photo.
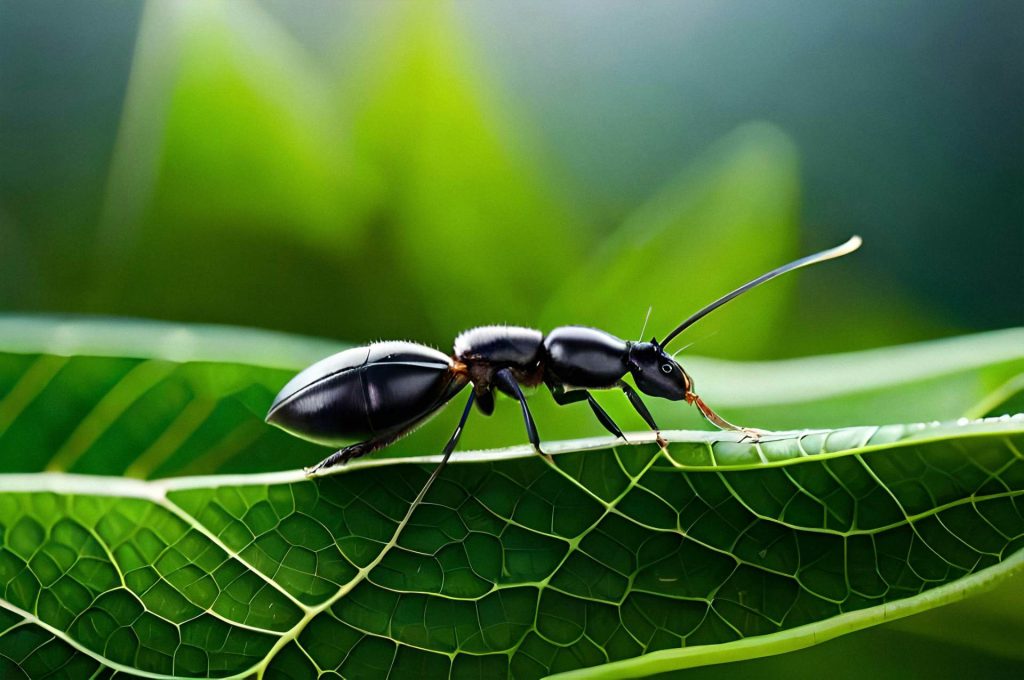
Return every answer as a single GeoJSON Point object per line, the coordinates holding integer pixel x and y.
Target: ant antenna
{"type": "Point", "coordinates": [831, 253]}
{"type": "Point", "coordinates": [692, 343]}
{"type": "Point", "coordinates": [646, 319]}
{"type": "Point", "coordinates": [684, 347]}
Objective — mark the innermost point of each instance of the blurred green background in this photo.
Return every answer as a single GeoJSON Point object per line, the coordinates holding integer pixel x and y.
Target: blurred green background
{"type": "Point", "coordinates": [383, 170]}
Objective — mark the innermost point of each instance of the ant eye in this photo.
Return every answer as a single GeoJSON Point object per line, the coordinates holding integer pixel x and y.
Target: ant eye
{"type": "Point", "coordinates": [666, 368]}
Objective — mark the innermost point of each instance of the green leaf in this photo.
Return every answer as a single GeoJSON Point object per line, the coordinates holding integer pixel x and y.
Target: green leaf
{"type": "Point", "coordinates": [600, 559]}
{"type": "Point", "coordinates": [404, 163]}
{"type": "Point", "coordinates": [605, 558]}
{"type": "Point", "coordinates": [627, 559]}
{"type": "Point", "coordinates": [466, 209]}
{"type": "Point", "coordinates": [145, 399]}
{"type": "Point", "coordinates": [193, 197]}
{"type": "Point", "coordinates": [152, 385]}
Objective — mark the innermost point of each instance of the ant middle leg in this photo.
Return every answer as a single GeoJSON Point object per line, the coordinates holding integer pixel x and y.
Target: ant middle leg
{"type": "Point", "coordinates": [506, 382]}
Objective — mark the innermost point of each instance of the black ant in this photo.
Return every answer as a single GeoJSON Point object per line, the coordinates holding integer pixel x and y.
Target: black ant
{"type": "Point", "coordinates": [381, 392]}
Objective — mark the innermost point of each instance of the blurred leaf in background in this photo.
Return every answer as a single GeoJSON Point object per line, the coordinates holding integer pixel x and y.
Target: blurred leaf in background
{"type": "Point", "coordinates": [62, 75]}
{"type": "Point", "coordinates": [390, 189]}
{"type": "Point", "coordinates": [231, 178]}
{"type": "Point", "coordinates": [466, 216]}
{"type": "Point", "coordinates": [362, 172]}
{"type": "Point", "coordinates": [281, 196]}
{"type": "Point", "coordinates": [357, 172]}
{"type": "Point", "coordinates": [728, 217]}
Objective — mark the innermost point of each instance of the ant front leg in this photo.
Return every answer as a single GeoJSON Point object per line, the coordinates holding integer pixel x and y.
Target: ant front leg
{"type": "Point", "coordinates": [563, 397]}
{"type": "Point", "coordinates": [642, 409]}
{"type": "Point", "coordinates": [506, 382]}
{"type": "Point", "coordinates": [720, 422]}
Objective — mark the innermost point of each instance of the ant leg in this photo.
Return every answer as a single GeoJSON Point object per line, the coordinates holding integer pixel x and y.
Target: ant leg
{"type": "Point", "coordinates": [353, 451]}
{"type": "Point", "coordinates": [563, 397]}
{"type": "Point", "coordinates": [641, 408]}
{"type": "Point", "coordinates": [330, 461]}
{"type": "Point", "coordinates": [720, 422]}
{"type": "Point", "coordinates": [638, 404]}
{"type": "Point", "coordinates": [454, 440]}
{"type": "Point", "coordinates": [484, 400]}
{"type": "Point", "coordinates": [604, 418]}
{"type": "Point", "coordinates": [450, 447]}
{"type": "Point", "coordinates": [506, 382]}
{"type": "Point", "coordinates": [362, 448]}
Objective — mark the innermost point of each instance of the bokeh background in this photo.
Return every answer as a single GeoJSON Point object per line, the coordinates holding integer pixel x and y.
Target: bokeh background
{"type": "Point", "coordinates": [368, 170]}
{"type": "Point", "coordinates": [375, 170]}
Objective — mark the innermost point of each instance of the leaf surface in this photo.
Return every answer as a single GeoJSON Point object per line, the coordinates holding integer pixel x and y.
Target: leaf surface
{"type": "Point", "coordinates": [712, 550]}
{"type": "Point", "coordinates": [618, 560]}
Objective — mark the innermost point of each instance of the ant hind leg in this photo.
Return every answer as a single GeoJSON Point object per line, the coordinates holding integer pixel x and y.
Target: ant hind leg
{"type": "Point", "coordinates": [342, 456]}
{"type": "Point", "coordinates": [564, 397]}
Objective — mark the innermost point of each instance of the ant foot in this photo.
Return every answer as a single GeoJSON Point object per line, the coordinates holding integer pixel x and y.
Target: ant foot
{"type": "Point", "coordinates": [751, 434]}
{"type": "Point", "coordinates": [340, 457]}
{"type": "Point", "coordinates": [662, 442]}
{"type": "Point", "coordinates": [314, 471]}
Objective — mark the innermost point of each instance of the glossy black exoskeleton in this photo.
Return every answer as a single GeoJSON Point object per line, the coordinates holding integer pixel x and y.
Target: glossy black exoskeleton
{"type": "Point", "coordinates": [378, 393]}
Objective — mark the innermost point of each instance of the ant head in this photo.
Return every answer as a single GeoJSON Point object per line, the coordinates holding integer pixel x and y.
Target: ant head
{"type": "Point", "coordinates": [656, 373]}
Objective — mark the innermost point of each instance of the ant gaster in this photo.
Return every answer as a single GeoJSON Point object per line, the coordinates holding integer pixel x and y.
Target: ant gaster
{"type": "Point", "coordinates": [378, 393]}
